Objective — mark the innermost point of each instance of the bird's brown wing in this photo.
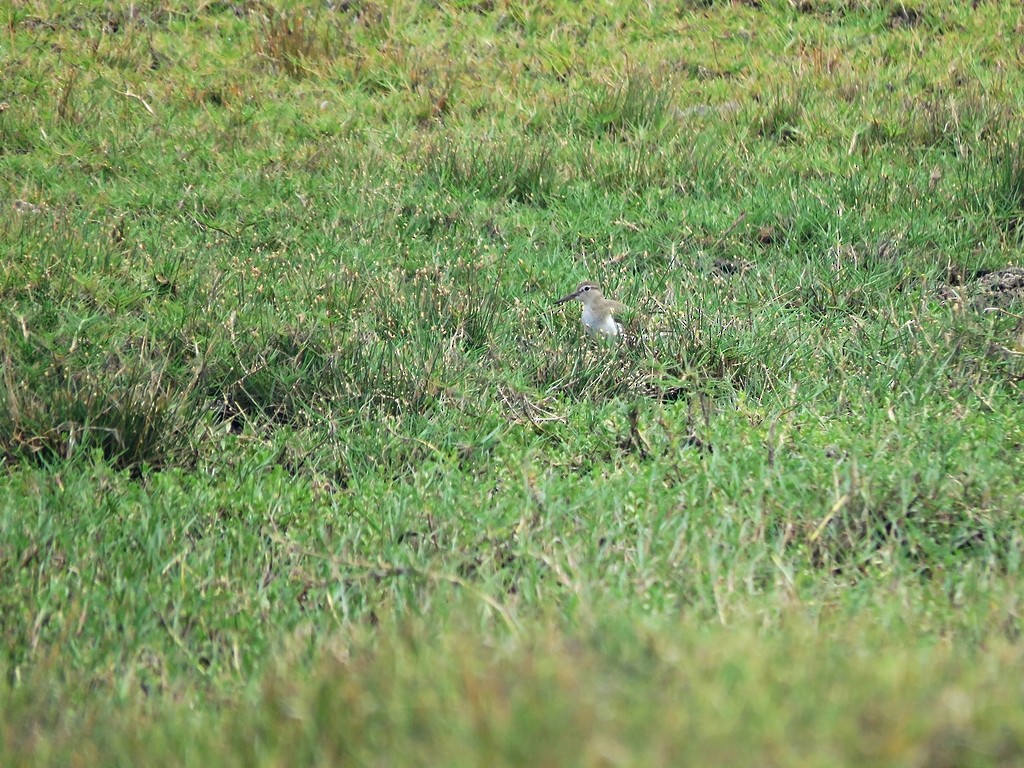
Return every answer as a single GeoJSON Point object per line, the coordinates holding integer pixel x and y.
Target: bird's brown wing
{"type": "Point", "coordinates": [617, 307]}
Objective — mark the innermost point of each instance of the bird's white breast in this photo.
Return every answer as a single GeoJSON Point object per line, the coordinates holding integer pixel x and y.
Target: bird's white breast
{"type": "Point", "coordinates": [599, 325]}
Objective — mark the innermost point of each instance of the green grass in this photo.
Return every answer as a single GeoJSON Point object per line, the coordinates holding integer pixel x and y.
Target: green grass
{"type": "Point", "coordinates": [300, 464]}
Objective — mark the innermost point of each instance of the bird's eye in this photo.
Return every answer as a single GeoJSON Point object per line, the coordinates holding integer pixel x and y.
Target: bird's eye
{"type": "Point", "coordinates": [586, 288]}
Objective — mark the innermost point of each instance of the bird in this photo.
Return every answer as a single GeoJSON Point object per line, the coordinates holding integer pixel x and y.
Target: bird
{"type": "Point", "coordinates": [598, 312]}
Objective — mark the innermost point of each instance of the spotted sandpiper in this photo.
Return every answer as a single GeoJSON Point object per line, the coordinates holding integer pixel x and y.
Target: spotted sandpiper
{"type": "Point", "coordinates": [598, 312]}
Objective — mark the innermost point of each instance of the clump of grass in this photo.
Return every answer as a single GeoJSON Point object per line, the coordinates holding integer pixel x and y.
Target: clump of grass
{"type": "Point", "coordinates": [130, 406]}
{"type": "Point", "coordinates": [980, 348]}
{"type": "Point", "coordinates": [388, 350]}
{"type": "Point", "coordinates": [291, 39]}
{"type": "Point", "coordinates": [412, 340]}
{"type": "Point", "coordinates": [779, 118]}
{"type": "Point", "coordinates": [902, 16]}
{"type": "Point", "coordinates": [851, 533]}
{"type": "Point", "coordinates": [18, 134]}
{"type": "Point", "coordinates": [992, 182]}
{"type": "Point", "coordinates": [636, 165]}
{"type": "Point", "coordinates": [683, 363]}
{"type": "Point", "coordinates": [1007, 193]}
{"type": "Point", "coordinates": [640, 104]}
{"type": "Point", "coordinates": [65, 106]}
{"type": "Point", "coordinates": [507, 170]}
{"type": "Point", "coordinates": [373, 376]}
{"type": "Point", "coordinates": [595, 371]}
{"type": "Point", "coordinates": [266, 378]}
{"type": "Point", "coordinates": [952, 120]}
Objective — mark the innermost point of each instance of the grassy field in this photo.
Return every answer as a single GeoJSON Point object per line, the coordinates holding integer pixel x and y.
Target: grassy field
{"type": "Point", "coordinates": [299, 464]}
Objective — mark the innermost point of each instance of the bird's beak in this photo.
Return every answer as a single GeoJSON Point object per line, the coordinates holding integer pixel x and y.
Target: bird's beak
{"type": "Point", "coordinates": [568, 297]}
